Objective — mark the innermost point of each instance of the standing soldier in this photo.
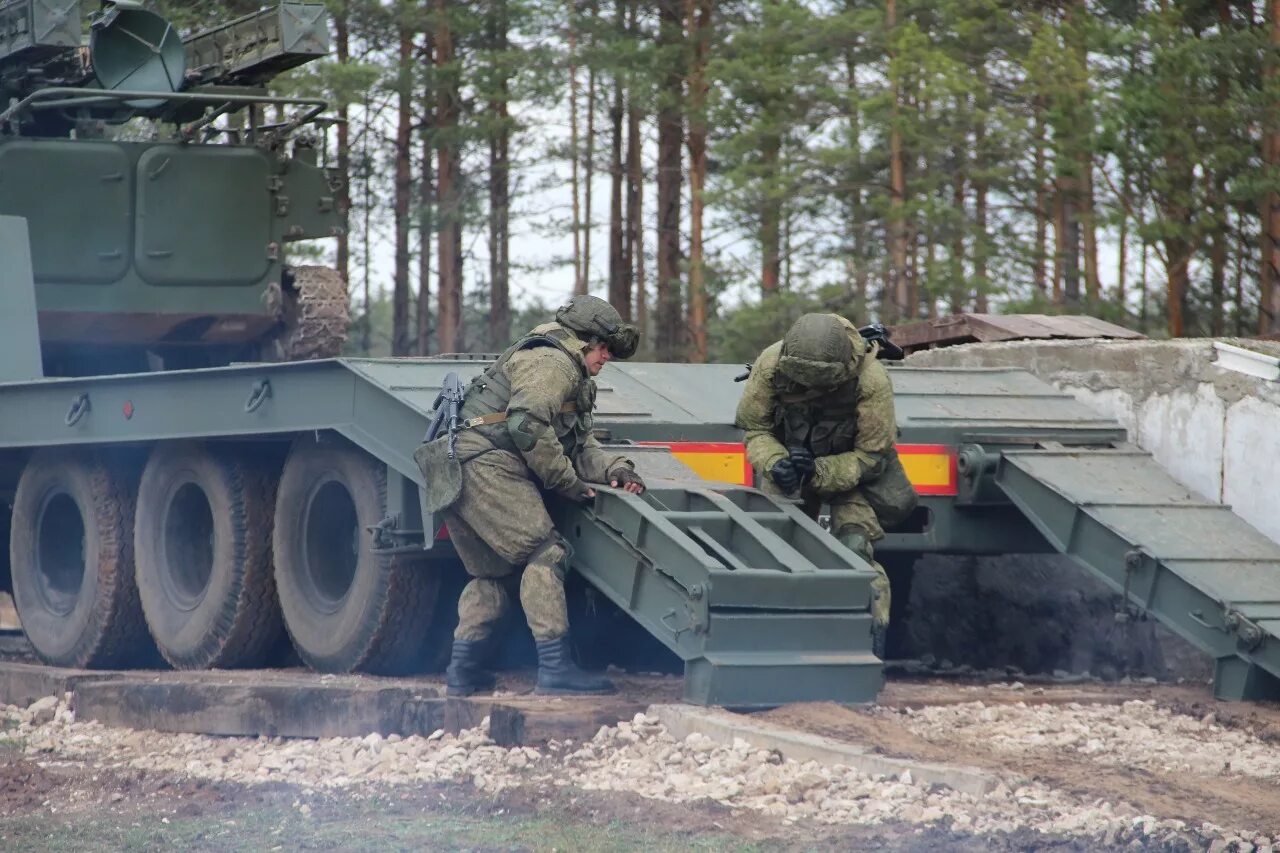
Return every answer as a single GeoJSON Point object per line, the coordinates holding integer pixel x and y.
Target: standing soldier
{"type": "Point", "coordinates": [527, 431]}
{"type": "Point", "coordinates": [819, 422]}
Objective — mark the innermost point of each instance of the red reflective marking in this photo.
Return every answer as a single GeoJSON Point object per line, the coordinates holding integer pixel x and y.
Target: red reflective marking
{"type": "Point", "coordinates": [128, 410]}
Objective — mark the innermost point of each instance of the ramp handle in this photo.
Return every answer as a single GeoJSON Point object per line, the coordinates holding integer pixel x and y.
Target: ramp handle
{"type": "Point", "coordinates": [79, 408]}
{"type": "Point", "coordinates": [260, 394]}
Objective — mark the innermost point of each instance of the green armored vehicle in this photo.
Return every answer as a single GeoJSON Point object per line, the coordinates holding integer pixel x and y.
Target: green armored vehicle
{"type": "Point", "coordinates": [207, 514]}
{"type": "Point", "coordinates": [159, 228]}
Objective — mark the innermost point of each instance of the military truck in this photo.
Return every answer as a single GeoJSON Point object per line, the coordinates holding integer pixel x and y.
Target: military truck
{"type": "Point", "coordinates": [206, 510]}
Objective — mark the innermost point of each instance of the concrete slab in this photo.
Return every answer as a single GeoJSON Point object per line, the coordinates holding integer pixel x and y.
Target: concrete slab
{"type": "Point", "coordinates": [298, 703]}
{"type": "Point", "coordinates": [23, 683]}
{"type": "Point", "coordinates": [723, 726]}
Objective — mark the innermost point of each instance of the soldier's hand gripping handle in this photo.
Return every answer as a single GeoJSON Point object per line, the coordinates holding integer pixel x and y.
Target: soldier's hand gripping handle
{"type": "Point", "coordinates": [623, 477]}
{"type": "Point", "coordinates": [802, 462]}
{"type": "Point", "coordinates": [784, 474]}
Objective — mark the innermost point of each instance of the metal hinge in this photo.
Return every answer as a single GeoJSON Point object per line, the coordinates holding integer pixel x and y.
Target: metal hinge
{"type": "Point", "coordinates": [1248, 635]}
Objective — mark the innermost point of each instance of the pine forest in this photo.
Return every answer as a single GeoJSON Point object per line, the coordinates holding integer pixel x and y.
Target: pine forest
{"type": "Point", "coordinates": [717, 167]}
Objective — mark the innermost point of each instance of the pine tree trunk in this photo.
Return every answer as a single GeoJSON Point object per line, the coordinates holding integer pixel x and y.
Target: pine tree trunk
{"type": "Point", "coordinates": [699, 17]}
{"type": "Point", "coordinates": [1059, 244]}
{"type": "Point", "coordinates": [856, 273]}
{"type": "Point", "coordinates": [575, 159]}
{"type": "Point", "coordinates": [1239, 323]}
{"type": "Point", "coordinates": [981, 239]}
{"type": "Point", "coordinates": [1089, 234]}
{"type": "Point", "coordinates": [1069, 241]}
{"type": "Point", "coordinates": [426, 203]}
{"type": "Point", "coordinates": [633, 230]}
{"type": "Point", "coordinates": [667, 342]}
{"type": "Point", "coordinates": [342, 28]}
{"type": "Point", "coordinates": [589, 169]}
{"type": "Point", "coordinates": [1041, 177]}
{"type": "Point", "coordinates": [770, 221]}
{"type": "Point", "coordinates": [958, 292]}
{"type": "Point", "coordinates": [499, 185]}
{"type": "Point", "coordinates": [403, 187]}
{"type": "Point", "coordinates": [1178, 251]}
{"type": "Point", "coordinates": [1122, 244]}
{"type": "Point", "coordinates": [1218, 254]}
{"type": "Point", "coordinates": [898, 288]}
{"type": "Point", "coordinates": [449, 329]}
{"type": "Point", "coordinates": [1269, 293]}
{"type": "Point", "coordinates": [618, 296]}
{"type": "Point", "coordinates": [366, 336]}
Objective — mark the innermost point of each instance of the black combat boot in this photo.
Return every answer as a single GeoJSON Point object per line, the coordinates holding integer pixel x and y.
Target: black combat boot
{"type": "Point", "coordinates": [557, 673]}
{"type": "Point", "coordinates": [467, 673]}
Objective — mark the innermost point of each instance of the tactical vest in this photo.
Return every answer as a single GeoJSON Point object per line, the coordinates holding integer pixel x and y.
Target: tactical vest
{"type": "Point", "coordinates": [490, 393]}
{"type": "Point", "coordinates": [823, 420]}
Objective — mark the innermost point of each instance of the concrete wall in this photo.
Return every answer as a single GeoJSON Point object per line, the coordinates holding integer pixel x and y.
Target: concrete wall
{"type": "Point", "coordinates": [1214, 430]}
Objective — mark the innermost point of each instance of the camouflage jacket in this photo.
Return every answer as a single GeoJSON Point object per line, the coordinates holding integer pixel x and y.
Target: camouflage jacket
{"type": "Point", "coordinates": [548, 397]}
{"type": "Point", "coordinates": [851, 429]}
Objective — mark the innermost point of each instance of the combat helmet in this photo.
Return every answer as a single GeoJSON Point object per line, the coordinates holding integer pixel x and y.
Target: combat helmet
{"type": "Point", "coordinates": [591, 317]}
{"type": "Point", "coordinates": [817, 352]}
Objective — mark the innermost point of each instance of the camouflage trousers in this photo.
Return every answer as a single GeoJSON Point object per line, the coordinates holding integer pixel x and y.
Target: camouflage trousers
{"type": "Point", "coordinates": [502, 532]}
{"type": "Point", "coordinates": [858, 517]}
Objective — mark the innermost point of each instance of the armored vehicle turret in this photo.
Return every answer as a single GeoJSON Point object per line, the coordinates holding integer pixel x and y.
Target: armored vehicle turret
{"type": "Point", "coordinates": [159, 197]}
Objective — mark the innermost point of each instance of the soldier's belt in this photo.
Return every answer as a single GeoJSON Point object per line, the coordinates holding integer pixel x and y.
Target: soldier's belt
{"type": "Point", "coordinates": [499, 417]}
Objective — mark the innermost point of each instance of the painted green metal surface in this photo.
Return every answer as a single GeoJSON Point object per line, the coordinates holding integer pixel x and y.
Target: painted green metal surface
{"type": "Point", "coordinates": [20, 359]}
{"type": "Point", "coordinates": [1191, 563]}
{"type": "Point", "coordinates": [182, 236]}
{"type": "Point", "coordinates": [763, 606]}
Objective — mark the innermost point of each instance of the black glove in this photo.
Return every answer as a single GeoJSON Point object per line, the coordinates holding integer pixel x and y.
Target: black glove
{"type": "Point", "coordinates": [802, 460]}
{"type": "Point", "coordinates": [623, 476]}
{"type": "Point", "coordinates": [784, 475]}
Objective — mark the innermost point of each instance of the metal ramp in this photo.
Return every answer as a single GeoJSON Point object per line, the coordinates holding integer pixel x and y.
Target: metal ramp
{"type": "Point", "coordinates": [763, 605]}
{"type": "Point", "coordinates": [1191, 563]}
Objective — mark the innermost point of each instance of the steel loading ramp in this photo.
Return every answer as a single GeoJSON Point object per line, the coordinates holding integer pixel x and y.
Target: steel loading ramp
{"type": "Point", "coordinates": [763, 606]}
{"type": "Point", "coordinates": [1193, 564]}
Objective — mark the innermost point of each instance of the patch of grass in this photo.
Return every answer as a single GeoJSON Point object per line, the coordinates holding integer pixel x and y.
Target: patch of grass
{"type": "Point", "coordinates": [372, 825]}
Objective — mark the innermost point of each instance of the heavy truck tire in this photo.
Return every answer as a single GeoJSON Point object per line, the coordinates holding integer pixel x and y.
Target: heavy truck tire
{"type": "Point", "coordinates": [345, 607]}
{"type": "Point", "coordinates": [71, 553]}
{"type": "Point", "coordinates": [315, 314]}
{"type": "Point", "coordinates": [203, 542]}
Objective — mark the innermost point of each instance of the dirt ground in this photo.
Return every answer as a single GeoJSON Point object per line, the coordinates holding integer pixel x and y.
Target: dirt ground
{"type": "Point", "coordinates": [1194, 797]}
{"type": "Point", "coordinates": [63, 808]}
{"type": "Point", "coordinates": [51, 802]}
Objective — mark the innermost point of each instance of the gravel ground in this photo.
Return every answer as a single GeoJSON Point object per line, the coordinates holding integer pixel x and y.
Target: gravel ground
{"type": "Point", "coordinates": [640, 758]}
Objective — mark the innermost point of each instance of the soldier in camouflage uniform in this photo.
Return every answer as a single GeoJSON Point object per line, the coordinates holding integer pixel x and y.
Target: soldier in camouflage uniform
{"type": "Point", "coordinates": [819, 422]}
{"type": "Point", "coordinates": [529, 419]}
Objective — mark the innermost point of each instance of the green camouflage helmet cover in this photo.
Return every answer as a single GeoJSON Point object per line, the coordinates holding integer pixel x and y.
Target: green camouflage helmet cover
{"type": "Point", "coordinates": [592, 317]}
{"type": "Point", "coordinates": [817, 352]}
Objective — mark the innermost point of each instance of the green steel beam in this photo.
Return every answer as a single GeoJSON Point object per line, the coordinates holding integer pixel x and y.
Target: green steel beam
{"type": "Point", "coordinates": [1192, 564]}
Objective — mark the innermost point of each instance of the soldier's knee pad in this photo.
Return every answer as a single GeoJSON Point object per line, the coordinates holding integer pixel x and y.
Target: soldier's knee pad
{"type": "Point", "coordinates": [553, 552]}
{"type": "Point", "coordinates": [853, 537]}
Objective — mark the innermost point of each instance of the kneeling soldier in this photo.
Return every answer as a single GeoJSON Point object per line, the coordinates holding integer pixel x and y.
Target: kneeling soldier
{"type": "Point", "coordinates": [528, 422]}
{"type": "Point", "coordinates": [819, 422]}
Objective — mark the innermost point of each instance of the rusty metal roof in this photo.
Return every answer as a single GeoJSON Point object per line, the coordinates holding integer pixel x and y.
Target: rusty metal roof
{"type": "Point", "coordinates": [971, 328]}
